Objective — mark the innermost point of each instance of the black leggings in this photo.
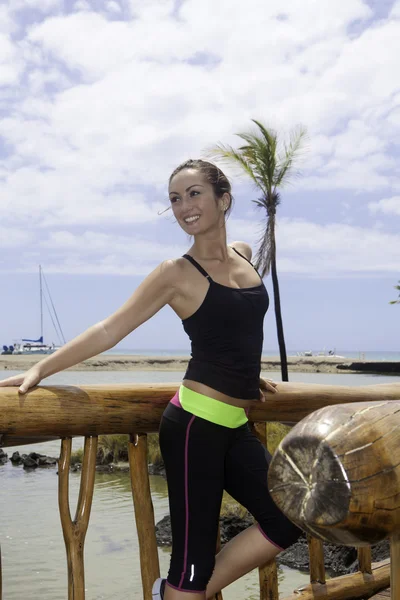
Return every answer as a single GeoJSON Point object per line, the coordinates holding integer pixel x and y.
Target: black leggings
{"type": "Point", "coordinates": [201, 460]}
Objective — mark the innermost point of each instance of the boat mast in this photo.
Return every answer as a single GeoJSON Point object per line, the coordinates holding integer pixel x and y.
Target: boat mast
{"type": "Point", "coordinates": [41, 302]}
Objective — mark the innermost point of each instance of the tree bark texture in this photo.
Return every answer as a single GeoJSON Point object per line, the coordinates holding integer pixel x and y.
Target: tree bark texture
{"type": "Point", "coordinates": [278, 318]}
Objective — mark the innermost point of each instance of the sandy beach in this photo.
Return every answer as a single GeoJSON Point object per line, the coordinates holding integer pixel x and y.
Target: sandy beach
{"type": "Point", "coordinates": [114, 362]}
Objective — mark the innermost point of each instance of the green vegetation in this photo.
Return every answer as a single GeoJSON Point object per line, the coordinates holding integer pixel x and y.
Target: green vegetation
{"type": "Point", "coordinates": [269, 163]}
{"type": "Point", "coordinates": [77, 456]}
{"type": "Point", "coordinates": [113, 448]}
{"type": "Point", "coordinates": [396, 287]}
{"type": "Point", "coordinates": [275, 433]}
{"type": "Point", "coordinates": [153, 450]}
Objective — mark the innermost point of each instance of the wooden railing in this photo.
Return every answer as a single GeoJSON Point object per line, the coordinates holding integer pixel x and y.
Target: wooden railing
{"type": "Point", "coordinates": [63, 412]}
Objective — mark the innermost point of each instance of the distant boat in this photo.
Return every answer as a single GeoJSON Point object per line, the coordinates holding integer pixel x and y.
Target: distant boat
{"type": "Point", "coordinates": [29, 346]}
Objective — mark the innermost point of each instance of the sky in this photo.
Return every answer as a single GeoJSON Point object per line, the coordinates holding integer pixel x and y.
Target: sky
{"type": "Point", "coordinates": [99, 102]}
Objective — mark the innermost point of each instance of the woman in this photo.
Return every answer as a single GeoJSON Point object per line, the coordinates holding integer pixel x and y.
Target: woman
{"type": "Point", "coordinates": [205, 439]}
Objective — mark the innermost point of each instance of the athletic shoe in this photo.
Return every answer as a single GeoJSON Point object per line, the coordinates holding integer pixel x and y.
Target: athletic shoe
{"type": "Point", "coordinates": [158, 589]}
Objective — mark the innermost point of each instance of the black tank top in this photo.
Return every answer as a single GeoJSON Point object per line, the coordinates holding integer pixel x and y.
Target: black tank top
{"type": "Point", "coordinates": [227, 335]}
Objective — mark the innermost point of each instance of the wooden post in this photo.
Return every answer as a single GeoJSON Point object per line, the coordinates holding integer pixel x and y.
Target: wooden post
{"type": "Point", "coordinates": [75, 531]}
{"type": "Point", "coordinates": [268, 577]}
{"type": "Point", "coordinates": [268, 573]}
{"type": "Point", "coordinates": [317, 561]}
{"type": "Point", "coordinates": [395, 566]}
{"type": "Point", "coordinates": [144, 512]}
{"type": "Point", "coordinates": [364, 559]}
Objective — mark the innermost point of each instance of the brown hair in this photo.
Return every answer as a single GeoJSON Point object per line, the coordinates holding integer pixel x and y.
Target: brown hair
{"type": "Point", "coordinates": [213, 175]}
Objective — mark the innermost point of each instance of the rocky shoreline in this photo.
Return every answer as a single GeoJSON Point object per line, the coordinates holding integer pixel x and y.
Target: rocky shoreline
{"type": "Point", "coordinates": [303, 364]}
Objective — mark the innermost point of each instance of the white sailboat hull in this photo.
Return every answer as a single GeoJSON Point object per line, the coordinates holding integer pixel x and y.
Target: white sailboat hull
{"type": "Point", "coordinates": [34, 349]}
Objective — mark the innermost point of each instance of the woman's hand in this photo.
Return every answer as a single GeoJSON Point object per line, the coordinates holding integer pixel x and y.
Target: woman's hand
{"type": "Point", "coordinates": [267, 386]}
{"type": "Point", "coordinates": [25, 381]}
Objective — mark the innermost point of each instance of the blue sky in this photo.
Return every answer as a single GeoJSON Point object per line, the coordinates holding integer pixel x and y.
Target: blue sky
{"type": "Point", "coordinates": [99, 101]}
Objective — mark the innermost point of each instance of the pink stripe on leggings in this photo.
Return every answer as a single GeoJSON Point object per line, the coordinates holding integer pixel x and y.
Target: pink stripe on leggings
{"type": "Point", "coordinates": [186, 501]}
{"type": "Point", "coordinates": [175, 400]}
{"type": "Point", "coordinates": [269, 539]}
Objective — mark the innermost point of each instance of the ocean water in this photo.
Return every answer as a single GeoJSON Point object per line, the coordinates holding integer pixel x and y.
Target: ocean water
{"type": "Point", "coordinates": [387, 355]}
{"type": "Point", "coordinates": [33, 553]}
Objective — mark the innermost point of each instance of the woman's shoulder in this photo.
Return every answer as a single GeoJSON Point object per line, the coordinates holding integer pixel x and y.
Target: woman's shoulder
{"type": "Point", "coordinates": [173, 270]}
{"type": "Point", "coordinates": [244, 248]}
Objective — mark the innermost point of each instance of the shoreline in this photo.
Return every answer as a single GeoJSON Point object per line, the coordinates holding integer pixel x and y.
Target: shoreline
{"type": "Point", "coordinates": [123, 362]}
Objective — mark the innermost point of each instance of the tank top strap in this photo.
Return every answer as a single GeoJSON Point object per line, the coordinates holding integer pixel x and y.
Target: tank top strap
{"type": "Point", "coordinates": [240, 254]}
{"type": "Point", "coordinates": [198, 267]}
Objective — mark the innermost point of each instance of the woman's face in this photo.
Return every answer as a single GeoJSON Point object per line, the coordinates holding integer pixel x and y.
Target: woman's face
{"type": "Point", "coordinates": [193, 202]}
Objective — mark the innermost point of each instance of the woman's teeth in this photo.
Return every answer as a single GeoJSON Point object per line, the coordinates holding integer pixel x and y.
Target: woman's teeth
{"type": "Point", "coordinates": [192, 219]}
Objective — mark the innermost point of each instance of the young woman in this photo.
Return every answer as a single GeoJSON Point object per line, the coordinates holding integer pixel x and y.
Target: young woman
{"type": "Point", "coordinates": [205, 440]}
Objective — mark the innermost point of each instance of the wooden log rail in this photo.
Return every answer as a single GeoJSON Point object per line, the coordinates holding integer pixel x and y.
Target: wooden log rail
{"type": "Point", "coordinates": [62, 412]}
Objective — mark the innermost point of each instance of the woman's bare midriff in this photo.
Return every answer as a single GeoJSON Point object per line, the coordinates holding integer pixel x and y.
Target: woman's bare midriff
{"type": "Point", "coordinates": [200, 388]}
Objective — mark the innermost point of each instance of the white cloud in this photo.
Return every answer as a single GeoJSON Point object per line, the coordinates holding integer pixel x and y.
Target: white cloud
{"type": "Point", "coordinates": [13, 237]}
{"type": "Point", "coordinates": [93, 124]}
{"type": "Point", "coordinates": [395, 12]}
{"type": "Point", "coordinates": [327, 250]}
{"type": "Point", "coordinates": [388, 206]}
{"type": "Point", "coordinates": [10, 65]}
{"type": "Point", "coordinates": [6, 21]}
{"type": "Point", "coordinates": [82, 5]}
{"type": "Point", "coordinates": [43, 6]}
{"type": "Point", "coordinates": [94, 252]}
{"type": "Point", "coordinates": [113, 7]}
{"type": "Point", "coordinates": [54, 200]}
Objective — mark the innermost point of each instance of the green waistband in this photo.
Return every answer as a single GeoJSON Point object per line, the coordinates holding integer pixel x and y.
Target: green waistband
{"type": "Point", "coordinates": [212, 410]}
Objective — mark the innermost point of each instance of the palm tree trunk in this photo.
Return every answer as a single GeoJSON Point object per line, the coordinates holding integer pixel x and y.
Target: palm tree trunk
{"type": "Point", "coordinates": [278, 318]}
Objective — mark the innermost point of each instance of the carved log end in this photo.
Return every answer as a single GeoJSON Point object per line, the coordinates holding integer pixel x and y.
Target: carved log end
{"type": "Point", "coordinates": [308, 482]}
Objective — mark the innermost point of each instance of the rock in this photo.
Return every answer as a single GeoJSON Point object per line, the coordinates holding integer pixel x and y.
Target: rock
{"type": "Point", "coordinates": [33, 460]}
{"type": "Point", "coordinates": [163, 532]}
{"type": "Point", "coordinates": [232, 525]}
{"type": "Point", "coordinates": [35, 456]}
{"type": "Point", "coordinates": [16, 458]}
{"type": "Point", "coordinates": [339, 560]}
{"type": "Point", "coordinates": [3, 457]}
{"type": "Point", "coordinates": [30, 463]}
{"type": "Point", "coordinates": [105, 468]}
{"type": "Point", "coordinates": [157, 469]}
{"type": "Point", "coordinates": [47, 461]}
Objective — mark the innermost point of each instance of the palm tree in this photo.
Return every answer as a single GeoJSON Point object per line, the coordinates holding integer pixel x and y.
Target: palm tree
{"type": "Point", "coordinates": [269, 164]}
{"type": "Point", "coordinates": [396, 287]}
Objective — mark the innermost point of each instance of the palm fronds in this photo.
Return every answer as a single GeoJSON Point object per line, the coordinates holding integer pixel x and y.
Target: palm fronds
{"type": "Point", "coordinates": [396, 287]}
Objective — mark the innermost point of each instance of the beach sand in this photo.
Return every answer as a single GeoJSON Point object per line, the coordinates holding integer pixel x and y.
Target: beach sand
{"type": "Point", "coordinates": [114, 362]}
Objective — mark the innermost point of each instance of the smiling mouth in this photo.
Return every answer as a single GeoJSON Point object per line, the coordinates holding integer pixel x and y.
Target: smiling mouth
{"type": "Point", "coordinates": [193, 219]}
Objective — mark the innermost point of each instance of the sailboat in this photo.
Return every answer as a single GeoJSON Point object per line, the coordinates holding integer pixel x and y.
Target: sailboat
{"type": "Point", "coordinates": [38, 346]}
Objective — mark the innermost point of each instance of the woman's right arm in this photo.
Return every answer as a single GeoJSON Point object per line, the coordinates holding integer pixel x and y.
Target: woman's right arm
{"type": "Point", "coordinates": [157, 290]}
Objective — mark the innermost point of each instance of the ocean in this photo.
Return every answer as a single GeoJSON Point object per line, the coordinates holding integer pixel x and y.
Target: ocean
{"type": "Point", "coordinates": [384, 355]}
